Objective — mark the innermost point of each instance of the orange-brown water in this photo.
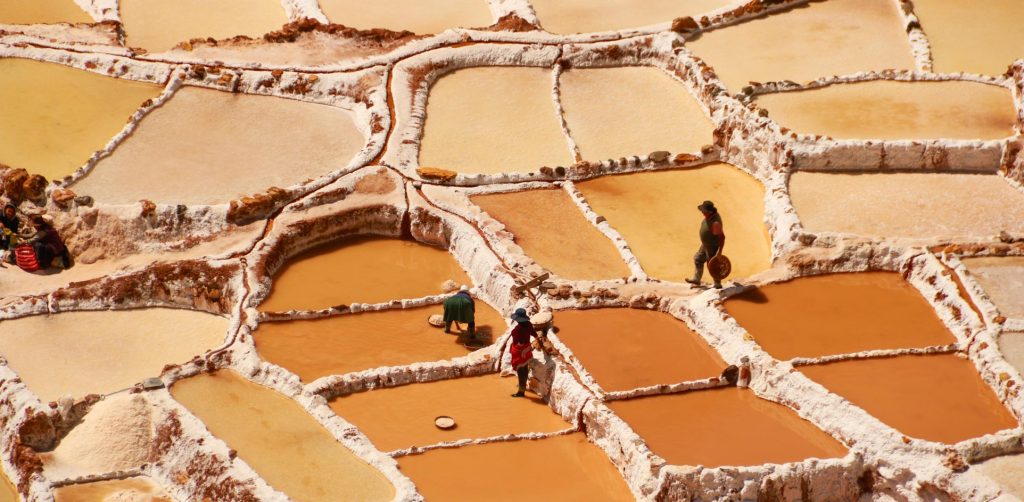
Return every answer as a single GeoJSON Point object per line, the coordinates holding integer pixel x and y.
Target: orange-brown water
{"type": "Point", "coordinates": [657, 215]}
{"type": "Point", "coordinates": [480, 405]}
{"type": "Point", "coordinates": [579, 16]}
{"type": "Point", "coordinates": [629, 348]}
{"type": "Point", "coordinates": [353, 342]}
{"type": "Point", "coordinates": [156, 25]}
{"type": "Point", "coordinates": [361, 270]}
{"type": "Point", "coordinates": [819, 39]}
{"type": "Point", "coordinates": [938, 397]}
{"type": "Point", "coordinates": [981, 36]}
{"type": "Point", "coordinates": [564, 468]}
{"type": "Point", "coordinates": [55, 117]}
{"type": "Point", "coordinates": [284, 444]}
{"type": "Point", "coordinates": [41, 11]}
{"type": "Point", "coordinates": [634, 110]}
{"type": "Point", "coordinates": [417, 16]}
{"type": "Point", "coordinates": [724, 426]}
{"type": "Point", "coordinates": [838, 314]}
{"type": "Point", "coordinates": [493, 120]}
{"type": "Point", "coordinates": [896, 110]}
{"type": "Point", "coordinates": [138, 489]}
{"type": "Point", "coordinates": [552, 230]}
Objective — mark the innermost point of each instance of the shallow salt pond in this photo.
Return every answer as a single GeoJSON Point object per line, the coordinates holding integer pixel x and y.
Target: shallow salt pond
{"type": "Point", "coordinates": [581, 16]}
{"type": "Point", "coordinates": [55, 117]}
{"type": "Point", "coordinates": [1012, 347]}
{"type": "Point", "coordinates": [1002, 278]}
{"type": "Point", "coordinates": [42, 11]}
{"type": "Point", "coordinates": [566, 468]}
{"type": "Point", "coordinates": [198, 128]}
{"type": "Point", "coordinates": [882, 109]}
{"type": "Point", "coordinates": [280, 440]}
{"type": "Point", "coordinates": [8, 493]}
{"type": "Point", "coordinates": [913, 205]}
{"type": "Point", "coordinates": [724, 427]}
{"type": "Point", "coordinates": [636, 110]}
{"type": "Point", "coordinates": [1006, 471]}
{"type": "Point", "coordinates": [363, 270]}
{"type": "Point", "coordinates": [480, 405]}
{"type": "Point", "coordinates": [352, 342]}
{"type": "Point", "coordinates": [937, 397]}
{"type": "Point", "coordinates": [629, 348]}
{"type": "Point", "coordinates": [157, 25]}
{"type": "Point", "coordinates": [417, 16]}
{"type": "Point", "coordinates": [814, 40]}
{"type": "Point", "coordinates": [657, 215]}
{"type": "Point", "coordinates": [493, 120]}
{"type": "Point", "coordinates": [72, 352]}
{"type": "Point", "coordinates": [136, 489]}
{"type": "Point", "coordinates": [552, 230]}
{"type": "Point", "coordinates": [838, 314]}
{"type": "Point", "coordinates": [982, 36]}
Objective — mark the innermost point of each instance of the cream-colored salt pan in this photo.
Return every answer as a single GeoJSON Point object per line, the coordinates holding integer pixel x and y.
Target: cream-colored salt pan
{"type": "Point", "coordinates": [1006, 471]}
{"type": "Point", "coordinates": [364, 270]}
{"type": "Point", "coordinates": [1012, 347]}
{"type": "Point", "coordinates": [7, 491]}
{"type": "Point", "coordinates": [896, 110]}
{"type": "Point", "coordinates": [137, 489]}
{"type": "Point", "coordinates": [564, 468]}
{"type": "Point", "coordinates": [1003, 281]}
{"type": "Point", "coordinates": [620, 112]}
{"type": "Point", "coordinates": [417, 16]}
{"type": "Point", "coordinates": [41, 11]}
{"type": "Point", "coordinates": [493, 120]}
{"type": "Point", "coordinates": [814, 40]}
{"type": "Point", "coordinates": [158, 25]}
{"type": "Point", "coordinates": [657, 214]}
{"type": "Point", "coordinates": [280, 440]}
{"type": "Point", "coordinates": [580, 16]}
{"type": "Point", "coordinates": [481, 407]}
{"type": "Point", "coordinates": [71, 352]}
{"type": "Point", "coordinates": [552, 230]}
{"type": "Point", "coordinates": [207, 147]}
{"type": "Point", "coordinates": [55, 117]}
{"type": "Point", "coordinates": [115, 435]}
{"type": "Point", "coordinates": [916, 205]}
{"type": "Point", "coordinates": [981, 36]}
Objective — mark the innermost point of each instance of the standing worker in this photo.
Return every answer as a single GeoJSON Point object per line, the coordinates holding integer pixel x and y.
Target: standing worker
{"type": "Point", "coordinates": [712, 241]}
{"type": "Point", "coordinates": [460, 308]}
{"type": "Point", "coordinates": [522, 349]}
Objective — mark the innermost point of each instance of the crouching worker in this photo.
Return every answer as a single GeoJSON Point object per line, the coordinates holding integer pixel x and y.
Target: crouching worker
{"type": "Point", "coordinates": [47, 242]}
{"type": "Point", "coordinates": [460, 308]}
{"type": "Point", "coordinates": [9, 227]}
{"type": "Point", "coordinates": [522, 348]}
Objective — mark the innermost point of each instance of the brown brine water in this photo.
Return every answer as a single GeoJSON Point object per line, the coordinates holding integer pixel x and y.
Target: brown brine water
{"type": "Point", "coordinates": [937, 397]}
{"type": "Point", "coordinates": [630, 348]}
{"type": "Point", "coordinates": [352, 342]}
{"type": "Point", "coordinates": [280, 440]}
{"type": "Point", "coordinates": [838, 314]}
{"type": "Point", "coordinates": [480, 405]}
{"type": "Point", "coordinates": [724, 426]}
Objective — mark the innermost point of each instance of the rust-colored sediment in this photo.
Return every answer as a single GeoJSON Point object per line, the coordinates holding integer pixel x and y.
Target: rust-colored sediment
{"type": "Point", "coordinates": [280, 440]}
{"type": "Point", "coordinates": [361, 270]}
{"type": "Point", "coordinates": [724, 426]}
{"type": "Point", "coordinates": [629, 348]}
{"type": "Point", "coordinates": [353, 342]}
{"type": "Point", "coordinates": [552, 230]}
{"type": "Point", "coordinates": [838, 314]}
{"type": "Point", "coordinates": [557, 468]}
{"type": "Point", "coordinates": [480, 405]}
{"type": "Point", "coordinates": [936, 397]}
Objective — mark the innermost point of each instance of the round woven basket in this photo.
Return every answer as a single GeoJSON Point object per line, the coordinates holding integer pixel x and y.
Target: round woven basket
{"type": "Point", "coordinates": [720, 267]}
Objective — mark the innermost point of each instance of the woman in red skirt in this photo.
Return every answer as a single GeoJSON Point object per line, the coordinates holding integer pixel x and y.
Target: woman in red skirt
{"type": "Point", "coordinates": [521, 349]}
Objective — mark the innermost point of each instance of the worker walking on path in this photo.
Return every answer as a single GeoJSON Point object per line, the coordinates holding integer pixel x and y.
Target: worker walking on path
{"type": "Point", "coordinates": [460, 308]}
{"type": "Point", "coordinates": [522, 348]}
{"type": "Point", "coordinates": [712, 241]}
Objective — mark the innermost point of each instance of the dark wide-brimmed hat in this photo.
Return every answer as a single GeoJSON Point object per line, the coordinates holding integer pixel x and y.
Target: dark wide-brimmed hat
{"type": "Point", "coordinates": [520, 315]}
{"type": "Point", "coordinates": [707, 206]}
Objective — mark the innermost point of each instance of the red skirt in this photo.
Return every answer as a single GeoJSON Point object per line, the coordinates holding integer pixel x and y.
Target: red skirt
{"type": "Point", "coordinates": [522, 353]}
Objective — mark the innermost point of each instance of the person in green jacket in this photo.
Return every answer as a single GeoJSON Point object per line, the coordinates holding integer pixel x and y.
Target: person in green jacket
{"type": "Point", "coordinates": [460, 308]}
{"type": "Point", "coordinates": [712, 241]}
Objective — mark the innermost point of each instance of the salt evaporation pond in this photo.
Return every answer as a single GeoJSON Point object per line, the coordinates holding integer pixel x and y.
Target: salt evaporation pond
{"type": "Point", "coordinates": [158, 26]}
{"type": "Point", "coordinates": [982, 36]}
{"type": "Point", "coordinates": [582, 16]}
{"type": "Point", "coordinates": [42, 11]}
{"type": "Point", "coordinates": [139, 488]}
{"type": "Point", "coordinates": [1003, 281]}
{"type": "Point", "coordinates": [1012, 346]}
{"type": "Point", "coordinates": [417, 16]}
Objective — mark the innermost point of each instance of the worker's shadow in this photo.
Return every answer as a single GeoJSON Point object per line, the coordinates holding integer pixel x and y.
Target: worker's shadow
{"type": "Point", "coordinates": [484, 337]}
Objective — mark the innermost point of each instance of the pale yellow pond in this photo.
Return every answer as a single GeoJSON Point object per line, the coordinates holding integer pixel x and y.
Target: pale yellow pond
{"type": "Point", "coordinates": [417, 16]}
{"type": "Point", "coordinates": [158, 25]}
{"type": "Point", "coordinates": [41, 11]}
{"type": "Point", "coordinates": [980, 36]}
{"type": "Point", "coordinates": [581, 16]}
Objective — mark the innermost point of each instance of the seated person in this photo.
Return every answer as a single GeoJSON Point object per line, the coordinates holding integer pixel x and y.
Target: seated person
{"type": "Point", "coordinates": [9, 227]}
{"type": "Point", "coordinates": [47, 242]}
